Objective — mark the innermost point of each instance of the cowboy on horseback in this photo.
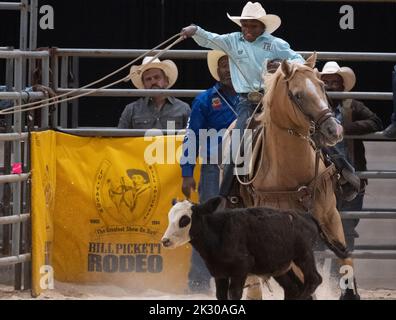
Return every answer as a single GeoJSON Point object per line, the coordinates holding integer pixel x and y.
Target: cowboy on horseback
{"type": "Point", "coordinates": [253, 52]}
{"type": "Point", "coordinates": [247, 50]}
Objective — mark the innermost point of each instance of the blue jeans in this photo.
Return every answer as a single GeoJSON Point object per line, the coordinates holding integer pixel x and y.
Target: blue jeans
{"type": "Point", "coordinates": [244, 109]}
{"type": "Point", "coordinates": [199, 276]}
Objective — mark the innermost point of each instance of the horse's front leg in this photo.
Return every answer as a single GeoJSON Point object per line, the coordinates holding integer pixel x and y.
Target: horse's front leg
{"type": "Point", "coordinates": [348, 280]}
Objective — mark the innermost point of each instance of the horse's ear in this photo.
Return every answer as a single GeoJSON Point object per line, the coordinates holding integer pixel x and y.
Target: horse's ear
{"type": "Point", "coordinates": [286, 68]}
{"type": "Point", "coordinates": [311, 61]}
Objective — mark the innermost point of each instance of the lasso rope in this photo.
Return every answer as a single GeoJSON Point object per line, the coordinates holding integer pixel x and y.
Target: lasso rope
{"type": "Point", "coordinates": [39, 104]}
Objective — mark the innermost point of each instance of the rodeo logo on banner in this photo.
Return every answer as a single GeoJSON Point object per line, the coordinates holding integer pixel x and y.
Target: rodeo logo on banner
{"type": "Point", "coordinates": [130, 200]}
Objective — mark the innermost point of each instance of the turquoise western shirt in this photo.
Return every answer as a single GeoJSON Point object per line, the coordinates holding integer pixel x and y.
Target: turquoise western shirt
{"type": "Point", "coordinates": [251, 57]}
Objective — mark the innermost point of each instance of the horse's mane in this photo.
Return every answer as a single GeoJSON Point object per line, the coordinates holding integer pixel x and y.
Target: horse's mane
{"type": "Point", "coordinates": [270, 83]}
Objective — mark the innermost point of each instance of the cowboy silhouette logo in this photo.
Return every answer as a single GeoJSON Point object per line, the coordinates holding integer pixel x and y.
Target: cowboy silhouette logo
{"type": "Point", "coordinates": [126, 198]}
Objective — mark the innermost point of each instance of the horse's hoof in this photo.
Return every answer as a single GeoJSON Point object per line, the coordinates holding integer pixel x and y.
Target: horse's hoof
{"type": "Point", "coordinates": [349, 294]}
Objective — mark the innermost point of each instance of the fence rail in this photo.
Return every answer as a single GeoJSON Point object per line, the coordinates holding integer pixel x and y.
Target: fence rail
{"type": "Point", "coordinates": [201, 54]}
{"type": "Point", "coordinates": [114, 132]}
{"type": "Point", "coordinates": [383, 174]}
{"type": "Point", "coordinates": [8, 54]}
{"type": "Point", "coordinates": [22, 95]}
{"type": "Point", "coordinates": [368, 214]}
{"type": "Point", "coordinates": [10, 178]}
{"type": "Point", "coordinates": [361, 254]}
{"type": "Point", "coordinates": [13, 136]}
{"type": "Point", "coordinates": [11, 5]}
{"type": "Point", "coordinates": [193, 93]}
{"type": "Point", "coordinates": [14, 219]}
{"type": "Point", "coordinates": [6, 261]}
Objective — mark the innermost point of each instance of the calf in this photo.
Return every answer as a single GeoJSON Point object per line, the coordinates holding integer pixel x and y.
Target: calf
{"type": "Point", "coordinates": [235, 243]}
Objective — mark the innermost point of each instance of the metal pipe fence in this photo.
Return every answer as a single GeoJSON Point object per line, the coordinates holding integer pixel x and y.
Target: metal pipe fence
{"type": "Point", "coordinates": [13, 213]}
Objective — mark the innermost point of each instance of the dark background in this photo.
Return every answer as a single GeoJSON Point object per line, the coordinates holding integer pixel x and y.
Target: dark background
{"type": "Point", "coordinates": [142, 24]}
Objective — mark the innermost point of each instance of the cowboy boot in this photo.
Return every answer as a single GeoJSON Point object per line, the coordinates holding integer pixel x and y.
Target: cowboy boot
{"type": "Point", "coordinates": [349, 181]}
{"type": "Point", "coordinates": [390, 131]}
{"type": "Point", "coordinates": [350, 184]}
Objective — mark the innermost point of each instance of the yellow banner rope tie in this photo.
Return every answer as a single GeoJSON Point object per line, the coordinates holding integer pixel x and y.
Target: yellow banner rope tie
{"type": "Point", "coordinates": [38, 104]}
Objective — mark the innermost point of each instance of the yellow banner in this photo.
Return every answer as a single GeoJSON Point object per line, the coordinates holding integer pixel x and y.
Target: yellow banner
{"type": "Point", "coordinates": [110, 210]}
{"type": "Point", "coordinates": [43, 155]}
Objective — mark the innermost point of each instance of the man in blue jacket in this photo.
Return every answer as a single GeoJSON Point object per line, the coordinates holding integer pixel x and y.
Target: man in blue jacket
{"type": "Point", "coordinates": [212, 110]}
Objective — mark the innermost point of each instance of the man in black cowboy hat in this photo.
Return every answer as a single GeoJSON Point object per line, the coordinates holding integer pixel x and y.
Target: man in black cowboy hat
{"type": "Point", "coordinates": [356, 119]}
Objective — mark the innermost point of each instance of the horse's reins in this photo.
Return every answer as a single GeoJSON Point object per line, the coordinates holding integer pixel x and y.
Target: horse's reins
{"type": "Point", "coordinates": [317, 122]}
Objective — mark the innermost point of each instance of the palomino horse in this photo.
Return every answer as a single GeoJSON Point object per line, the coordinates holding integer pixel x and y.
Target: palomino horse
{"type": "Point", "coordinates": [291, 175]}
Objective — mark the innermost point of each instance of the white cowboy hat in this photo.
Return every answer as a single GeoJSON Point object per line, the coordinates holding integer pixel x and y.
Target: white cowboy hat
{"type": "Point", "coordinates": [168, 66]}
{"type": "Point", "coordinates": [213, 62]}
{"type": "Point", "coordinates": [254, 11]}
{"type": "Point", "coordinates": [346, 73]}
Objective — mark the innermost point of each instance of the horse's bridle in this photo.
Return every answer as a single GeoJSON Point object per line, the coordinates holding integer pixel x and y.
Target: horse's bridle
{"type": "Point", "coordinates": [319, 119]}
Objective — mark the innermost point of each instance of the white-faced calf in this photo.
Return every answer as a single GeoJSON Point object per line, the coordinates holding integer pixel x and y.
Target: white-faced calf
{"type": "Point", "coordinates": [235, 243]}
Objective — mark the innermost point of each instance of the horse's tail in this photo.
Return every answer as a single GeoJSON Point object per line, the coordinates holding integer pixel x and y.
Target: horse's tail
{"type": "Point", "coordinates": [337, 247]}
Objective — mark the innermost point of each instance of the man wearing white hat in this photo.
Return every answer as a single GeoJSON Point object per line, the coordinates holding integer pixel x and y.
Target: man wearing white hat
{"type": "Point", "coordinates": [251, 51]}
{"type": "Point", "coordinates": [356, 119]}
{"type": "Point", "coordinates": [154, 112]}
{"type": "Point", "coordinates": [214, 110]}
